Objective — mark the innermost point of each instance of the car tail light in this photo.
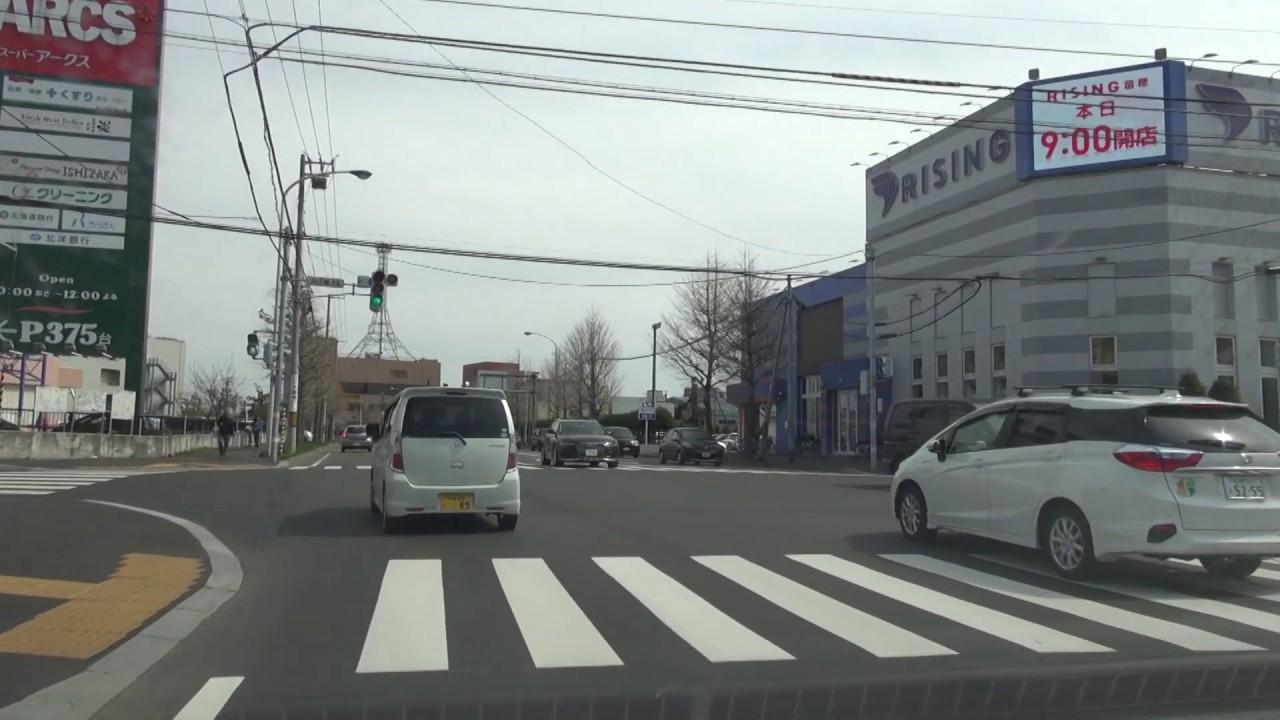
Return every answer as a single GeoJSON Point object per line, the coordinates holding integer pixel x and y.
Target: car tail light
{"type": "Point", "coordinates": [344, 434]}
{"type": "Point", "coordinates": [1153, 460]}
{"type": "Point", "coordinates": [511, 456]}
{"type": "Point", "coordinates": [397, 455]}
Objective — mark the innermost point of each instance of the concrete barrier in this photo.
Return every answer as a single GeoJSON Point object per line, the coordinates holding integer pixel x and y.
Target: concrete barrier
{"type": "Point", "coordinates": [20, 445]}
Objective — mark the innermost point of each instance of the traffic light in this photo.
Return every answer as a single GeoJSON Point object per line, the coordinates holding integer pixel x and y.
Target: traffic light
{"type": "Point", "coordinates": [252, 346]}
{"type": "Point", "coordinates": [377, 291]}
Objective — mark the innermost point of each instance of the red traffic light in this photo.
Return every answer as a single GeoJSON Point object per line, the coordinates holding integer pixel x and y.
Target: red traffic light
{"type": "Point", "coordinates": [378, 277]}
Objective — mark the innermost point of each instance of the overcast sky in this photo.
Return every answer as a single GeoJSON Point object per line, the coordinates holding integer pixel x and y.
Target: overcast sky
{"type": "Point", "coordinates": [453, 167]}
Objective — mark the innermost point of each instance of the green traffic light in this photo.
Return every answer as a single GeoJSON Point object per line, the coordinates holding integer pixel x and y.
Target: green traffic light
{"type": "Point", "coordinates": [375, 302]}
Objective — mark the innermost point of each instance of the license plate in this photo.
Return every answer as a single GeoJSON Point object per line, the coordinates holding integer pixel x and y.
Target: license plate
{"type": "Point", "coordinates": [1243, 488]}
{"type": "Point", "coordinates": [706, 454]}
{"type": "Point", "coordinates": [457, 502]}
{"type": "Point", "coordinates": [592, 453]}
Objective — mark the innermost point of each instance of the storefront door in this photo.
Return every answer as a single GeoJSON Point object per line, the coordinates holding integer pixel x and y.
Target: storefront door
{"type": "Point", "coordinates": [846, 424]}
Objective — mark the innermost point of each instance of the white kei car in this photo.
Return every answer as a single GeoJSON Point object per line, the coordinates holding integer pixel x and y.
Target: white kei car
{"type": "Point", "coordinates": [442, 450]}
{"type": "Point", "coordinates": [1098, 472]}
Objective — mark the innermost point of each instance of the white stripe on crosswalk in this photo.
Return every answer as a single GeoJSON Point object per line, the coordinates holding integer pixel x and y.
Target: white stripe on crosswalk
{"type": "Point", "coordinates": [556, 631]}
{"type": "Point", "coordinates": [27, 492]}
{"type": "Point", "coordinates": [1204, 606]}
{"type": "Point", "coordinates": [407, 632]}
{"type": "Point", "coordinates": [868, 632]}
{"type": "Point", "coordinates": [12, 485]}
{"type": "Point", "coordinates": [717, 636]}
{"type": "Point", "coordinates": [1262, 572]}
{"type": "Point", "coordinates": [1173, 633]}
{"type": "Point", "coordinates": [212, 697]}
{"type": "Point", "coordinates": [46, 481]}
{"type": "Point", "coordinates": [992, 622]}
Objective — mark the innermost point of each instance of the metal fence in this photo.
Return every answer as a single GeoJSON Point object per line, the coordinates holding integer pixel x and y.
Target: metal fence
{"type": "Point", "coordinates": [102, 423]}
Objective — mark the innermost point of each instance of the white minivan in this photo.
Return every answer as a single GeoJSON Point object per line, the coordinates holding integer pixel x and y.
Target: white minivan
{"type": "Point", "coordinates": [442, 450]}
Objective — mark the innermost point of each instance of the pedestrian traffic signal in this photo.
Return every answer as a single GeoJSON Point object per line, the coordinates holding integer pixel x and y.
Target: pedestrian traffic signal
{"type": "Point", "coordinates": [377, 291]}
{"type": "Point", "coordinates": [252, 346]}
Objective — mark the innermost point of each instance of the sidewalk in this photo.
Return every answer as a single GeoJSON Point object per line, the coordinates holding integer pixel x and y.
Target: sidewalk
{"type": "Point", "coordinates": [820, 463]}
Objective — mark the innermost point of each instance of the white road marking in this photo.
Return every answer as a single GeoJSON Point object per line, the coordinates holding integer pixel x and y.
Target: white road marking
{"type": "Point", "coordinates": [321, 460]}
{"type": "Point", "coordinates": [1173, 633]}
{"type": "Point", "coordinates": [556, 631]}
{"type": "Point", "coordinates": [332, 467]}
{"type": "Point", "coordinates": [868, 632]}
{"type": "Point", "coordinates": [364, 467]}
{"type": "Point", "coordinates": [407, 632]}
{"type": "Point", "coordinates": [27, 492]}
{"type": "Point", "coordinates": [210, 699]}
{"type": "Point", "coordinates": [992, 622]}
{"type": "Point", "coordinates": [46, 481]}
{"type": "Point", "coordinates": [300, 467]}
{"type": "Point", "coordinates": [1204, 606]}
{"type": "Point", "coordinates": [717, 636]}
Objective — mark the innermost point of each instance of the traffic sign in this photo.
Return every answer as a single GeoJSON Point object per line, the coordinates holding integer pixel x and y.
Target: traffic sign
{"type": "Point", "coordinates": [328, 282]}
{"type": "Point", "coordinates": [647, 412]}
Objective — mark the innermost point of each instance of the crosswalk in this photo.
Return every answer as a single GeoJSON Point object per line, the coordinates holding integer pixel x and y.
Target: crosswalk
{"type": "Point", "coordinates": [47, 481]}
{"type": "Point", "coordinates": [731, 609]}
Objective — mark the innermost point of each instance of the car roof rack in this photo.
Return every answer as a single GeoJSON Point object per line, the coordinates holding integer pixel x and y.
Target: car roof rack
{"type": "Point", "coordinates": [1098, 389]}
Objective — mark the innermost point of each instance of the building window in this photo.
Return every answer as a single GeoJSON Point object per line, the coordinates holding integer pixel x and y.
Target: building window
{"type": "Point", "coordinates": [1266, 292]}
{"type": "Point", "coordinates": [812, 391]}
{"type": "Point", "coordinates": [109, 377]}
{"type": "Point", "coordinates": [1103, 366]}
{"type": "Point", "coordinates": [917, 377]}
{"type": "Point", "coordinates": [943, 370]}
{"type": "Point", "coordinates": [1225, 352]}
{"type": "Point", "coordinates": [999, 381]}
{"type": "Point", "coordinates": [1224, 291]}
{"type": "Point", "coordinates": [969, 367]}
{"type": "Point", "coordinates": [399, 374]}
{"type": "Point", "coordinates": [942, 390]}
{"type": "Point", "coordinates": [917, 390]}
{"type": "Point", "coordinates": [1267, 353]}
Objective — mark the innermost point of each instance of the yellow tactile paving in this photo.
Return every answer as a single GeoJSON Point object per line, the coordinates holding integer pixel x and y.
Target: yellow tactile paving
{"type": "Point", "coordinates": [38, 587]}
{"type": "Point", "coordinates": [98, 615]}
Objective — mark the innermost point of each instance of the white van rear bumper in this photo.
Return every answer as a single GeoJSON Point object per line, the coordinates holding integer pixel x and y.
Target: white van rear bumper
{"type": "Point", "coordinates": [406, 499]}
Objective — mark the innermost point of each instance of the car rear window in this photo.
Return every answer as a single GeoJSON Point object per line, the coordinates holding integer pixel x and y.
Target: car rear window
{"type": "Point", "coordinates": [355, 429]}
{"type": "Point", "coordinates": [1211, 428]}
{"type": "Point", "coordinates": [621, 432]}
{"type": "Point", "coordinates": [444, 415]}
{"type": "Point", "coordinates": [695, 435]}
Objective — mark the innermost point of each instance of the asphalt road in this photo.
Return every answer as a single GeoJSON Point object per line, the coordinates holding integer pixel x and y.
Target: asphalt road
{"type": "Point", "coordinates": [657, 583]}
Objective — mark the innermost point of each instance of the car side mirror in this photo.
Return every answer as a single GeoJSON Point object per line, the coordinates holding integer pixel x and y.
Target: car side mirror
{"type": "Point", "coordinates": [373, 430]}
{"type": "Point", "coordinates": [937, 447]}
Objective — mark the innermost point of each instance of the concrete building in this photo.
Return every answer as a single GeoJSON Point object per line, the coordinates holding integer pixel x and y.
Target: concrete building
{"type": "Point", "coordinates": [164, 381]}
{"type": "Point", "coordinates": [496, 375]}
{"type": "Point", "coordinates": [1132, 265]}
{"type": "Point", "coordinates": [368, 383]}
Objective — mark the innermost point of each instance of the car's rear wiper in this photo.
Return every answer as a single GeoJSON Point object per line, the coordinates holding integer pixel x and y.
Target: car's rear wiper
{"type": "Point", "coordinates": [446, 433]}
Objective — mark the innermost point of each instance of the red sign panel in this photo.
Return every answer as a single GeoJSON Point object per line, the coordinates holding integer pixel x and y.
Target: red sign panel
{"type": "Point", "coordinates": [111, 41]}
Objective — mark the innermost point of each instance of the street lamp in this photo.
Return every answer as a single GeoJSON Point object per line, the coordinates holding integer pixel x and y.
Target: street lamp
{"type": "Point", "coordinates": [295, 341]}
{"type": "Point", "coordinates": [559, 375]}
{"type": "Point", "coordinates": [653, 383]}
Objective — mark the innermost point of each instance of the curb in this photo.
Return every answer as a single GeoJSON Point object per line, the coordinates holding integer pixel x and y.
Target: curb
{"type": "Point", "coordinates": [81, 696]}
{"type": "Point", "coordinates": [306, 458]}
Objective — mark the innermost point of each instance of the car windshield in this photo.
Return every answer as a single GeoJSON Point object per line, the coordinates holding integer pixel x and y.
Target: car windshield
{"type": "Point", "coordinates": [621, 432]}
{"type": "Point", "coordinates": [581, 427]}
{"type": "Point", "coordinates": [447, 416]}
{"type": "Point", "coordinates": [355, 429]}
{"type": "Point", "coordinates": [1211, 428]}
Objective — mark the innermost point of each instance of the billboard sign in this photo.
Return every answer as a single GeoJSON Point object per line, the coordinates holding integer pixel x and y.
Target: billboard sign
{"type": "Point", "coordinates": [79, 98]}
{"type": "Point", "coordinates": [935, 173]}
{"type": "Point", "coordinates": [1233, 121]}
{"type": "Point", "coordinates": [1124, 117]}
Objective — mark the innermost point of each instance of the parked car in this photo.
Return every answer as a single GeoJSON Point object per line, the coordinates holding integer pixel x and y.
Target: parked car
{"type": "Point", "coordinates": [627, 442]}
{"type": "Point", "coordinates": [442, 450]}
{"type": "Point", "coordinates": [1092, 473]}
{"type": "Point", "coordinates": [686, 444]}
{"type": "Point", "coordinates": [535, 442]}
{"type": "Point", "coordinates": [911, 423]}
{"type": "Point", "coordinates": [354, 437]}
{"type": "Point", "coordinates": [579, 441]}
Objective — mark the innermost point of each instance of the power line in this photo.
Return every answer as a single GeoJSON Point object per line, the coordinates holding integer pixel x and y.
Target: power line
{"type": "Point", "coordinates": [799, 31]}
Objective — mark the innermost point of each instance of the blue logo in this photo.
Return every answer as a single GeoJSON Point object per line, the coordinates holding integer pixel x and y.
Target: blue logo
{"type": "Point", "coordinates": [960, 163]}
{"type": "Point", "coordinates": [1231, 107]}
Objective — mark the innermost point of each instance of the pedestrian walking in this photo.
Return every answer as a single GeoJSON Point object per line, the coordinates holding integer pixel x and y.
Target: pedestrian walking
{"type": "Point", "coordinates": [257, 432]}
{"type": "Point", "coordinates": [226, 428]}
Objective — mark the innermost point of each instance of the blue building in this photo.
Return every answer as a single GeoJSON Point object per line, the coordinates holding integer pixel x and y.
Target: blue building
{"type": "Point", "coordinates": [819, 373]}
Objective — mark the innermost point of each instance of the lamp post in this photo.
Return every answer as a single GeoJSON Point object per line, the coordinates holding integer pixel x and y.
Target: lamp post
{"type": "Point", "coordinates": [295, 340]}
{"type": "Point", "coordinates": [653, 384]}
{"type": "Point", "coordinates": [559, 375]}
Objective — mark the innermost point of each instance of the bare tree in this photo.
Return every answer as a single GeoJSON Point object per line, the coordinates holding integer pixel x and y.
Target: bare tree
{"type": "Point", "coordinates": [214, 389]}
{"type": "Point", "coordinates": [553, 387]}
{"type": "Point", "coordinates": [696, 343]}
{"type": "Point", "coordinates": [590, 365]}
{"type": "Point", "coordinates": [751, 338]}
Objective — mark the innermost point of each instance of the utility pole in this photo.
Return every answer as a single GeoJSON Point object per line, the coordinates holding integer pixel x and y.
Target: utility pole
{"type": "Point", "coordinates": [793, 393]}
{"type": "Point", "coordinates": [277, 333]}
{"type": "Point", "coordinates": [872, 374]}
{"type": "Point", "coordinates": [295, 342]}
{"type": "Point", "coordinates": [653, 384]}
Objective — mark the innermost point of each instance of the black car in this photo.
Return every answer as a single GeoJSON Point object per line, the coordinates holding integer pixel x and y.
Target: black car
{"type": "Point", "coordinates": [582, 441]}
{"type": "Point", "coordinates": [687, 444]}
{"type": "Point", "coordinates": [535, 442]}
{"type": "Point", "coordinates": [911, 423]}
{"type": "Point", "coordinates": [627, 442]}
